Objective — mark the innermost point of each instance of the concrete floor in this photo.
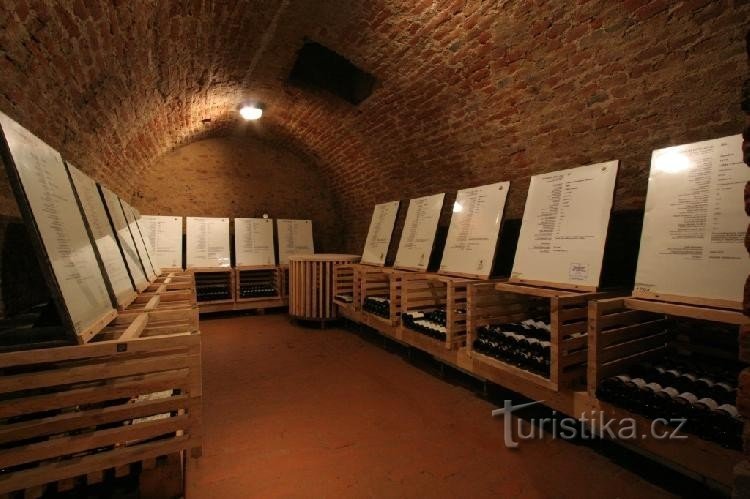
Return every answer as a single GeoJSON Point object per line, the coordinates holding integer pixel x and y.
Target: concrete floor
{"type": "Point", "coordinates": [296, 412]}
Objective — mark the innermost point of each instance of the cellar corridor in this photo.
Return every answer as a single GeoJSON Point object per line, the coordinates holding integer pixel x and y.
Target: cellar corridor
{"type": "Point", "coordinates": [298, 412]}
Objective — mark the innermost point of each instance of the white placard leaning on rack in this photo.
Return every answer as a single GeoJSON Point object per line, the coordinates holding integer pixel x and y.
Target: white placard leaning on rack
{"type": "Point", "coordinates": [692, 244]}
{"type": "Point", "coordinates": [140, 246]}
{"type": "Point", "coordinates": [165, 234]}
{"type": "Point", "coordinates": [146, 242]}
{"type": "Point", "coordinates": [295, 238]}
{"type": "Point", "coordinates": [564, 227]}
{"type": "Point", "coordinates": [253, 242]}
{"type": "Point", "coordinates": [104, 236]}
{"type": "Point", "coordinates": [418, 236]}
{"type": "Point", "coordinates": [124, 238]}
{"type": "Point", "coordinates": [47, 201]}
{"type": "Point", "coordinates": [380, 233]}
{"type": "Point", "coordinates": [207, 242]}
{"type": "Point", "coordinates": [475, 227]}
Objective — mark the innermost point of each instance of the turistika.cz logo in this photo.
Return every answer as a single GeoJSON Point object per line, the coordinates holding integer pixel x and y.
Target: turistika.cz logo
{"type": "Point", "coordinates": [590, 426]}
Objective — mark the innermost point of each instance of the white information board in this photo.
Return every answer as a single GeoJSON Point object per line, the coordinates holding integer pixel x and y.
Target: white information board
{"type": "Point", "coordinates": [165, 235]}
{"type": "Point", "coordinates": [45, 195]}
{"type": "Point", "coordinates": [253, 242]}
{"type": "Point", "coordinates": [101, 230]}
{"type": "Point", "coordinates": [295, 238]}
{"type": "Point", "coordinates": [146, 241]}
{"type": "Point", "coordinates": [139, 245]}
{"type": "Point", "coordinates": [692, 244]}
{"type": "Point", "coordinates": [564, 226]}
{"type": "Point", "coordinates": [380, 233]}
{"type": "Point", "coordinates": [418, 236]}
{"type": "Point", "coordinates": [475, 227]}
{"type": "Point", "coordinates": [127, 244]}
{"type": "Point", "coordinates": [207, 242]}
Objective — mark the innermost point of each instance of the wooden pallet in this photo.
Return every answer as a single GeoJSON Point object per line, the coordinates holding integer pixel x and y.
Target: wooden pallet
{"type": "Point", "coordinates": [207, 277]}
{"type": "Point", "coordinates": [627, 331]}
{"type": "Point", "coordinates": [261, 275]}
{"type": "Point", "coordinates": [424, 292]}
{"type": "Point", "coordinates": [72, 412]}
{"type": "Point", "coordinates": [346, 283]}
{"type": "Point", "coordinates": [383, 282]}
{"type": "Point", "coordinates": [498, 303]}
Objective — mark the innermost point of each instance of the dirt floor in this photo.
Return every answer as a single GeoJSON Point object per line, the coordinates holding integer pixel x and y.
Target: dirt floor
{"type": "Point", "coordinates": [300, 412]}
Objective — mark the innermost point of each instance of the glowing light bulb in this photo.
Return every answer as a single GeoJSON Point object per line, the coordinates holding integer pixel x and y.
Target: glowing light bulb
{"type": "Point", "coordinates": [251, 112]}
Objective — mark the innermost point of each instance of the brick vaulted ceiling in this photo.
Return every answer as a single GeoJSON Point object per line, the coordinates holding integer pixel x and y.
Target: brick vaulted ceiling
{"type": "Point", "coordinates": [469, 91]}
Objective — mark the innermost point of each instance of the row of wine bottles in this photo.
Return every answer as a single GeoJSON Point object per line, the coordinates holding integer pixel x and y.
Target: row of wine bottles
{"type": "Point", "coordinates": [377, 305]}
{"type": "Point", "coordinates": [257, 290]}
{"type": "Point", "coordinates": [525, 345]}
{"type": "Point", "coordinates": [675, 388]}
{"type": "Point", "coordinates": [213, 292]}
{"type": "Point", "coordinates": [431, 323]}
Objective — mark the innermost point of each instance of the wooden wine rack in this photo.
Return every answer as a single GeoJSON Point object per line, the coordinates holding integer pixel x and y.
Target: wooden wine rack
{"type": "Point", "coordinates": [382, 282]}
{"type": "Point", "coordinates": [346, 282]}
{"type": "Point", "coordinates": [424, 292]}
{"type": "Point", "coordinates": [626, 331]}
{"type": "Point", "coordinates": [498, 303]}
{"type": "Point", "coordinates": [208, 277]}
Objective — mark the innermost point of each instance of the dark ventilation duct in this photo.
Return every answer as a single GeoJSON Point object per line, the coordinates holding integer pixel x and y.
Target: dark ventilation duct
{"type": "Point", "coordinates": [318, 67]}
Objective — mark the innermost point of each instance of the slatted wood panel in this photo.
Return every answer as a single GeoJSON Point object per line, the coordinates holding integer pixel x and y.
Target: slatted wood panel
{"type": "Point", "coordinates": [75, 411]}
{"type": "Point", "coordinates": [424, 292]}
{"type": "Point", "coordinates": [498, 303]}
{"type": "Point", "coordinates": [311, 285]}
{"type": "Point", "coordinates": [346, 282]}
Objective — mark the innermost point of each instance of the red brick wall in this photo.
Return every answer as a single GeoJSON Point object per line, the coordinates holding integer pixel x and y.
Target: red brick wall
{"type": "Point", "coordinates": [239, 178]}
{"type": "Point", "coordinates": [469, 91]}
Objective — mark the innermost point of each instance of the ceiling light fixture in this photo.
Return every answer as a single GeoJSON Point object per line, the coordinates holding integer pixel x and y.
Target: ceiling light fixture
{"type": "Point", "coordinates": [253, 112]}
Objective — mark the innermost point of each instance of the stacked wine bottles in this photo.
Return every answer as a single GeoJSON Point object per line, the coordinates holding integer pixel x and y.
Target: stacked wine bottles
{"type": "Point", "coordinates": [678, 388]}
{"type": "Point", "coordinates": [431, 323]}
{"type": "Point", "coordinates": [213, 292]}
{"type": "Point", "coordinates": [377, 305]}
{"type": "Point", "coordinates": [525, 345]}
{"type": "Point", "coordinates": [257, 290]}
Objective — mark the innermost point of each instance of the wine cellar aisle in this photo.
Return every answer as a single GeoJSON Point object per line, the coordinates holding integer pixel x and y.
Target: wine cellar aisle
{"type": "Point", "coordinates": [293, 411]}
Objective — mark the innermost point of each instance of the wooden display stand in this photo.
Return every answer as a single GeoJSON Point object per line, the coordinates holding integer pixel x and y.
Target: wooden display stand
{"type": "Point", "coordinates": [345, 287]}
{"type": "Point", "coordinates": [311, 285]}
{"type": "Point", "coordinates": [214, 277]}
{"type": "Point", "coordinates": [511, 302]}
{"type": "Point", "coordinates": [626, 331]}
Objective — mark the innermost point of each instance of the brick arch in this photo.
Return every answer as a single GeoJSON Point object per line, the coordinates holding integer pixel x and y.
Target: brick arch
{"type": "Point", "coordinates": [469, 91]}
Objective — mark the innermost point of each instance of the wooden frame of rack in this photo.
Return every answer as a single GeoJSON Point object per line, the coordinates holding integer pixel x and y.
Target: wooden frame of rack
{"type": "Point", "coordinates": [626, 331]}
{"type": "Point", "coordinates": [383, 282]}
{"type": "Point", "coordinates": [272, 274]}
{"type": "Point", "coordinates": [346, 283]}
{"type": "Point", "coordinates": [423, 291]}
{"type": "Point", "coordinates": [212, 276]}
{"type": "Point", "coordinates": [497, 303]}
{"type": "Point", "coordinates": [67, 399]}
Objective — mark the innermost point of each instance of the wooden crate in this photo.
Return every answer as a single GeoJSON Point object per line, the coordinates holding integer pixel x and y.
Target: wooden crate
{"type": "Point", "coordinates": [504, 302]}
{"type": "Point", "coordinates": [627, 331]}
{"type": "Point", "coordinates": [70, 413]}
{"type": "Point", "coordinates": [424, 292]}
{"type": "Point", "coordinates": [382, 282]}
{"type": "Point", "coordinates": [346, 283]}
{"type": "Point", "coordinates": [261, 275]}
{"type": "Point", "coordinates": [164, 300]}
{"type": "Point", "coordinates": [207, 278]}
